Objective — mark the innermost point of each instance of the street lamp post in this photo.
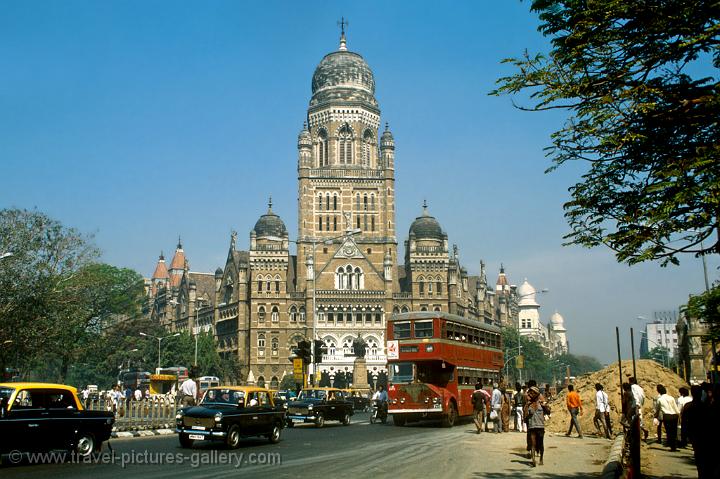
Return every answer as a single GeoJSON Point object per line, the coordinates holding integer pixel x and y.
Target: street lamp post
{"type": "Point", "coordinates": [159, 342]}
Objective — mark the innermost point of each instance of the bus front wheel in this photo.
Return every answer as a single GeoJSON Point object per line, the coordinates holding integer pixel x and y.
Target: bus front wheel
{"type": "Point", "coordinates": [449, 419]}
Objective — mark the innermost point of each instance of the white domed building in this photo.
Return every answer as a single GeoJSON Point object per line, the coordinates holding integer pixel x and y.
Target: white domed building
{"type": "Point", "coordinates": [553, 336]}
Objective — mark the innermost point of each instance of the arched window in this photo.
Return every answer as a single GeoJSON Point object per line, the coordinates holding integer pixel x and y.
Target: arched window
{"type": "Point", "coordinates": [302, 314]}
{"type": "Point", "coordinates": [345, 146]}
{"type": "Point", "coordinates": [274, 346]}
{"type": "Point", "coordinates": [261, 314]}
{"type": "Point", "coordinates": [421, 285]}
{"type": "Point", "coordinates": [437, 308]}
{"type": "Point", "coordinates": [319, 223]}
{"type": "Point", "coordinates": [331, 348]}
{"type": "Point", "coordinates": [365, 223]}
{"type": "Point", "coordinates": [372, 202]}
{"type": "Point", "coordinates": [228, 293]}
{"type": "Point", "coordinates": [335, 202]}
{"type": "Point", "coordinates": [438, 286]}
{"type": "Point", "coordinates": [261, 340]}
{"type": "Point", "coordinates": [349, 277]}
{"type": "Point", "coordinates": [322, 148]}
{"type": "Point", "coordinates": [365, 203]}
{"type": "Point", "coordinates": [372, 223]}
{"type": "Point", "coordinates": [267, 286]}
{"type": "Point", "coordinates": [293, 314]}
{"type": "Point", "coordinates": [327, 202]}
{"type": "Point", "coordinates": [275, 314]}
{"type": "Point", "coordinates": [261, 382]}
{"type": "Point", "coordinates": [260, 284]}
{"type": "Point", "coordinates": [367, 148]}
{"type": "Point", "coordinates": [430, 287]}
{"type": "Point", "coordinates": [357, 202]}
{"type": "Point", "coordinates": [320, 202]}
{"type": "Point", "coordinates": [334, 223]}
{"type": "Point", "coordinates": [424, 308]}
{"type": "Point", "coordinates": [274, 383]}
{"type": "Point", "coordinates": [358, 277]}
{"type": "Point", "coordinates": [405, 309]}
{"type": "Point", "coordinates": [277, 285]}
{"type": "Point", "coordinates": [348, 347]}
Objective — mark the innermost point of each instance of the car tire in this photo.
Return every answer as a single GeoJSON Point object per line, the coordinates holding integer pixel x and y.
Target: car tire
{"type": "Point", "coordinates": [346, 419]}
{"type": "Point", "coordinates": [320, 421]}
{"type": "Point", "coordinates": [232, 440]}
{"type": "Point", "coordinates": [399, 419]}
{"type": "Point", "coordinates": [85, 445]}
{"type": "Point", "coordinates": [185, 441]}
{"type": "Point", "coordinates": [274, 436]}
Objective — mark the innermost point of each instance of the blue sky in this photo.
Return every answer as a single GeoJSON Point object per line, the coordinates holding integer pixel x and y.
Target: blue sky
{"type": "Point", "coordinates": [140, 121]}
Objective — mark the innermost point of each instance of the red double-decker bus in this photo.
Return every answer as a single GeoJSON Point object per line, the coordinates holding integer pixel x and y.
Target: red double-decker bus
{"type": "Point", "coordinates": [434, 361]}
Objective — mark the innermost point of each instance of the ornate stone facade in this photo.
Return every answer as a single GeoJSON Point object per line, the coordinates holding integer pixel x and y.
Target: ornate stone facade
{"type": "Point", "coordinates": [344, 279]}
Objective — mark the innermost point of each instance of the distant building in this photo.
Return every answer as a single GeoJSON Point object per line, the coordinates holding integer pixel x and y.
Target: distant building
{"type": "Point", "coordinates": [552, 337]}
{"type": "Point", "coordinates": [660, 334]}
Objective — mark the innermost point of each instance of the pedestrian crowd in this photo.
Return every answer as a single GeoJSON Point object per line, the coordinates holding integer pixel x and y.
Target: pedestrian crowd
{"type": "Point", "coordinates": [527, 407]}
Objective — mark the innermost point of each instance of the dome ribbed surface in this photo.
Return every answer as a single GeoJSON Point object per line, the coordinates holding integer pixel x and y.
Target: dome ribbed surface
{"type": "Point", "coordinates": [270, 224]}
{"type": "Point", "coordinates": [426, 227]}
{"type": "Point", "coordinates": [345, 77]}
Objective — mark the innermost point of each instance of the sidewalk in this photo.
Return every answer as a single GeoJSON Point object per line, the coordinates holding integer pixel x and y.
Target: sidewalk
{"type": "Point", "coordinates": [658, 462]}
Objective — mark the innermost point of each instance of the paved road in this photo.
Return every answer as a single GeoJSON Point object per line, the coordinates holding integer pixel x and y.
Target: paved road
{"type": "Point", "coordinates": [360, 449]}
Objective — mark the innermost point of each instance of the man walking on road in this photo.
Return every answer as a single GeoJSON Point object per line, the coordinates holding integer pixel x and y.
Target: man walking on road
{"type": "Point", "coordinates": [602, 412]}
{"type": "Point", "coordinates": [519, 403]}
{"type": "Point", "coordinates": [479, 401]}
{"type": "Point", "coordinates": [639, 396]}
{"type": "Point", "coordinates": [667, 406]}
{"type": "Point", "coordinates": [574, 405]}
{"type": "Point", "coordinates": [496, 403]}
{"type": "Point", "coordinates": [188, 392]}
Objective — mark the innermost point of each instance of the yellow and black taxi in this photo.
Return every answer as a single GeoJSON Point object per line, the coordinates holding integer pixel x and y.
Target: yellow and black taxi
{"type": "Point", "coordinates": [229, 413]}
{"type": "Point", "coordinates": [44, 416]}
{"type": "Point", "coordinates": [317, 405]}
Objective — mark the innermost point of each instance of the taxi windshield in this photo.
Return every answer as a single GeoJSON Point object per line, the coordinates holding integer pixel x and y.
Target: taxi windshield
{"type": "Point", "coordinates": [312, 394]}
{"type": "Point", "coordinates": [5, 393]}
{"type": "Point", "coordinates": [223, 396]}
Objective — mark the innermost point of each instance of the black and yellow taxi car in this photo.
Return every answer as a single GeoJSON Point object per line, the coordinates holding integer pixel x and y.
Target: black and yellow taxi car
{"type": "Point", "coordinates": [317, 405]}
{"type": "Point", "coordinates": [44, 416]}
{"type": "Point", "coordinates": [229, 413]}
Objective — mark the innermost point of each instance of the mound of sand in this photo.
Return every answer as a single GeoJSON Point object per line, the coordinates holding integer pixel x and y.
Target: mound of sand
{"type": "Point", "coordinates": [649, 375]}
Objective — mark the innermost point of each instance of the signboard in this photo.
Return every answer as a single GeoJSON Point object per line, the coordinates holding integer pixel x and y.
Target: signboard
{"type": "Point", "coordinates": [298, 370]}
{"type": "Point", "coordinates": [520, 362]}
{"type": "Point", "coordinates": [393, 351]}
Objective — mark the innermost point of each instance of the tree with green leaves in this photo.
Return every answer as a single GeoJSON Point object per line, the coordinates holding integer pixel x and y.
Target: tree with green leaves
{"type": "Point", "coordinates": [706, 308]}
{"type": "Point", "coordinates": [46, 259]}
{"type": "Point", "coordinates": [639, 81]}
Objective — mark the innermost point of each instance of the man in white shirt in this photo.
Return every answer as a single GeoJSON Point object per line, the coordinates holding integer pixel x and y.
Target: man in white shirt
{"type": "Point", "coordinates": [602, 412]}
{"type": "Point", "coordinates": [138, 394]}
{"type": "Point", "coordinates": [681, 402]}
{"type": "Point", "coordinates": [188, 392]}
{"type": "Point", "coordinates": [670, 414]}
{"type": "Point", "coordinates": [496, 405]}
{"type": "Point", "coordinates": [639, 396]}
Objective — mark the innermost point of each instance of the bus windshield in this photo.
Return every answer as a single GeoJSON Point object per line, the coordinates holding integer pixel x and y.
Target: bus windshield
{"type": "Point", "coordinates": [432, 372]}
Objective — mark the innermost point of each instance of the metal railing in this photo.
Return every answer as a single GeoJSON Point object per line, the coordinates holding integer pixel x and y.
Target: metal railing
{"type": "Point", "coordinates": [153, 413]}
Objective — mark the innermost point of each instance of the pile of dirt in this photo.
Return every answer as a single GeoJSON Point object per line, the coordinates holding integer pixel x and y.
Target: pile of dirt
{"type": "Point", "coordinates": [649, 375]}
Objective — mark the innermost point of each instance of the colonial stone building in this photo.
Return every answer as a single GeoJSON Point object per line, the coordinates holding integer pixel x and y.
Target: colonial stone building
{"type": "Point", "coordinates": [342, 277]}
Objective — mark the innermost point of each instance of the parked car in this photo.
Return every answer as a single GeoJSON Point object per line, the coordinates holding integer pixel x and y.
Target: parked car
{"type": "Point", "coordinates": [229, 413]}
{"type": "Point", "coordinates": [44, 416]}
{"type": "Point", "coordinates": [317, 405]}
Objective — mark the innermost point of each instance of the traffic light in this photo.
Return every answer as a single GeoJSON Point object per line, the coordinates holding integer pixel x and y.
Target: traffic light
{"type": "Point", "coordinates": [319, 350]}
{"type": "Point", "coordinates": [303, 351]}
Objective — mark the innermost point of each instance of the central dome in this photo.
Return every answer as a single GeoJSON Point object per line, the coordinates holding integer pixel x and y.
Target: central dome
{"type": "Point", "coordinates": [343, 76]}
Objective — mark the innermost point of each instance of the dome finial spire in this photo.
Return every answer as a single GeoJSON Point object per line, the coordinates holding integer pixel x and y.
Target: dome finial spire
{"type": "Point", "coordinates": [270, 204]}
{"type": "Point", "coordinates": [425, 212]}
{"type": "Point", "coordinates": [343, 42]}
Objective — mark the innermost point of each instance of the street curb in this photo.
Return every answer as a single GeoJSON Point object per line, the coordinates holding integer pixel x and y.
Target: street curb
{"type": "Point", "coordinates": [613, 468]}
{"type": "Point", "coordinates": [146, 433]}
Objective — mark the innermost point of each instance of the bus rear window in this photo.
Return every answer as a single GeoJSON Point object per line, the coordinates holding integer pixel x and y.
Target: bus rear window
{"type": "Point", "coordinates": [401, 330]}
{"type": "Point", "coordinates": [423, 329]}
